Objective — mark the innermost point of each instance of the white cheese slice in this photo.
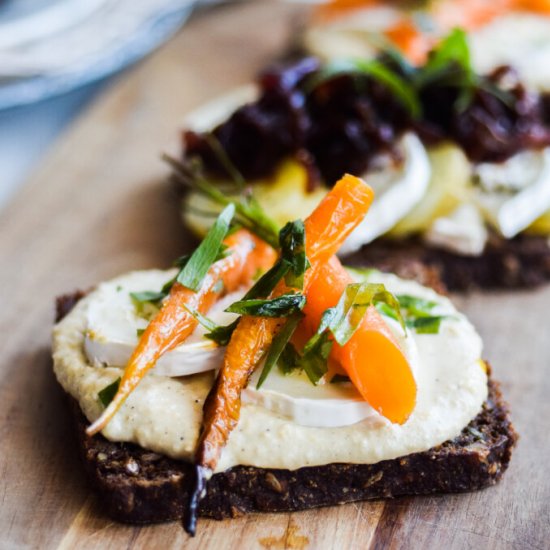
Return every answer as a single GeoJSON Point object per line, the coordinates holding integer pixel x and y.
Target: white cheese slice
{"type": "Point", "coordinates": [397, 190]}
{"type": "Point", "coordinates": [113, 324]}
{"type": "Point", "coordinates": [463, 231]}
{"type": "Point", "coordinates": [326, 405]}
{"type": "Point", "coordinates": [511, 197]}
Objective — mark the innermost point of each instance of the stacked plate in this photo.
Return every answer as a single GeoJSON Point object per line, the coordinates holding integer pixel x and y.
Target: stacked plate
{"type": "Point", "coordinates": [48, 47]}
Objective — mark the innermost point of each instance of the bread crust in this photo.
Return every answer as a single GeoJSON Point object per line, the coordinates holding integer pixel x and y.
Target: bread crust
{"type": "Point", "coordinates": [521, 262]}
{"type": "Point", "coordinates": [138, 486]}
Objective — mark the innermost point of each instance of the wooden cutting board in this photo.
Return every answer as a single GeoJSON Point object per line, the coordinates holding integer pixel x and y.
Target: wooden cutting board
{"type": "Point", "coordinates": [99, 206]}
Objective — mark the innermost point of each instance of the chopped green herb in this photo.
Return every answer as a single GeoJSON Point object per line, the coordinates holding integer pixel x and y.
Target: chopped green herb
{"type": "Point", "coordinates": [147, 296]}
{"type": "Point", "coordinates": [376, 69]}
{"type": "Point", "coordinates": [139, 332]}
{"type": "Point", "coordinates": [449, 62]}
{"type": "Point", "coordinates": [222, 334]}
{"type": "Point", "coordinates": [282, 306]}
{"type": "Point", "coordinates": [147, 303]}
{"type": "Point", "coordinates": [267, 282]}
{"type": "Point", "coordinates": [353, 305]}
{"type": "Point", "coordinates": [107, 394]}
{"type": "Point", "coordinates": [417, 313]}
{"type": "Point", "coordinates": [292, 239]}
{"type": "Point", "coordinates": [398, 86]}
{"type": "Point", "coordinates": [289, 360]}
{"type": "Point", "coordinates": [192, 275]}
{"type": "Point", "coordinates": [315, 355]}
{"type": "Point", "coordinates": [425, 325]}
{"type": "Point", "coordinates": [278, 346]}
{"type": "Point", "coordinates": [248, 213]}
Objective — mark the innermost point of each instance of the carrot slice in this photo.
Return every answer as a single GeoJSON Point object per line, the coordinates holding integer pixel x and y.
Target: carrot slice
{"type": "Point", "coordinates": [372, 358]}
{"type": "Point", "coordinates": [337, 215]}
{"type": "Point", "coordinates": [173, 324]}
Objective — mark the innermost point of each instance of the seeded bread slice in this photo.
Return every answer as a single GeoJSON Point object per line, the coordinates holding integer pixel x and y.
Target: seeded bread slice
{"type": "Point", "coordinates": [522, 262]}
{"type": "Point", "coordinates": [139, 486]}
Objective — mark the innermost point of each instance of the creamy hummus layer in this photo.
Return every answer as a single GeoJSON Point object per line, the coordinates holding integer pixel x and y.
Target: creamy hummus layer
{"type": "Point", "coordinates": [164, 414]}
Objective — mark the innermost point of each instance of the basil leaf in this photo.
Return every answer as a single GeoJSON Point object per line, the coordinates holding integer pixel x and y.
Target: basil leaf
{"type": "Point", "coordinates": [277, 347]}
{"type": "Point", "coordinates": [107, 394]}
{"type": "Point", "coordinates": [282, 306]}
{"type": "Point", "coordinates": [292, 239]}
{"type": "Point", "coordinates": [192, 275]}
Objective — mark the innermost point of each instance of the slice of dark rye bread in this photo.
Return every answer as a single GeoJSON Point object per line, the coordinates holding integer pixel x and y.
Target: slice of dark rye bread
{"type": "Point", "coordinates": [521, 262]}
{"type": "Point", "coordinates": [139, 486]}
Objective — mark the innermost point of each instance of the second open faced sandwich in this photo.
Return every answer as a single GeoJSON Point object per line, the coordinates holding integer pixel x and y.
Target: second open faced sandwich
{"type": "Point", "coordinates": [460, 161]}
{"type": "Point", "coordinates": [265, 376]}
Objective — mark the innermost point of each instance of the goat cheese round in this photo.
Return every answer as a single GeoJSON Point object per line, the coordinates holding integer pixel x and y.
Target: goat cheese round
{"type": "Point", "coordinates": [164, 413]}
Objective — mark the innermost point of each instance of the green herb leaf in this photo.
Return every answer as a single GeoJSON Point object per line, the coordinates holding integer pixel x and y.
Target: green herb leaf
{"type": "Point", "coordinates": [289, 360]}
{"type": "Point", "coordinates": [426, 325]}
{"type": "Point", "coordinates": [147, 296]}
{"type": "Point", "coordinates": [378, 70]}
{"type": "Point", "coordinates": [267, 282]}
{"type": "Point", "coordinates": [417, 313]}
{"type": "Point", "coordinates": [139, 332]}
{"type": "Point", "coordinates": [449, 62]}
{"type": "Point", "coordinates": [398, 86]}
{"type": "Point", "coordinates": [292, 239]}
{"type": "Point", "coordinates": [353, 305]}
{"type": "Point", "coordinates": [279, 344]}
{"type": "Point", "coordinates": [248, 213]}
{"type": "Point", "coordinates": [282, 306]}
{"type": "Point", "coordinates": [192, 275]}
{"type": "Point", "coordinates": [222, 334]}
{"type": "Point", "coordinates": [315, 356]}
{"type": "Point", "coordinates": [107, 394]}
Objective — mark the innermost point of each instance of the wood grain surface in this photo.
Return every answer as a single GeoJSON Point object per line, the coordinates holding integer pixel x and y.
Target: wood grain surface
{"type": "Point", "coordinates": [99, 206]}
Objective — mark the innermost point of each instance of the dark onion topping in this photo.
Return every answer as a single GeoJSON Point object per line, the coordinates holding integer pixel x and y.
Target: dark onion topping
{"type": "Point", "coordinates": [341, 123]}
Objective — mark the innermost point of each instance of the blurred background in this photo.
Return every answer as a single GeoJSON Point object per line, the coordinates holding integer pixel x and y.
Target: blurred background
{"type": "Point", "coordinates": [56, 55]}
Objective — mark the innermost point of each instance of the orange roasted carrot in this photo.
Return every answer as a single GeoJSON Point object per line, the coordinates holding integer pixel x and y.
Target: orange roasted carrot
{"type": "Point", "coordinates": [372, 358]}
{"type": "Point", "coordinates": [173, 324]}
{"type": "Point", "coordinates": [338, 214]}
{"type": "Point", "coordinates": [410, 40]}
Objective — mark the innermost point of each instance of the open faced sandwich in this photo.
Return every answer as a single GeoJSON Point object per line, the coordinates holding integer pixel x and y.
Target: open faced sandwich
{"type": "Point", "coordinates": [460, 161]}
{"type": "Point", "coordinates": [263, 375]}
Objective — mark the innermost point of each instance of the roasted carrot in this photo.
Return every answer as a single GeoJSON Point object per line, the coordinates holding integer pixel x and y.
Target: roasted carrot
{"type": "Point", "coordinates": [326, 229]}
{"type": "Point", "coordinates": [414, 44]}
{"type": "Point", "coordinates": [173, 324]}
{"type": "Point", "coordinates": [372, 358]}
